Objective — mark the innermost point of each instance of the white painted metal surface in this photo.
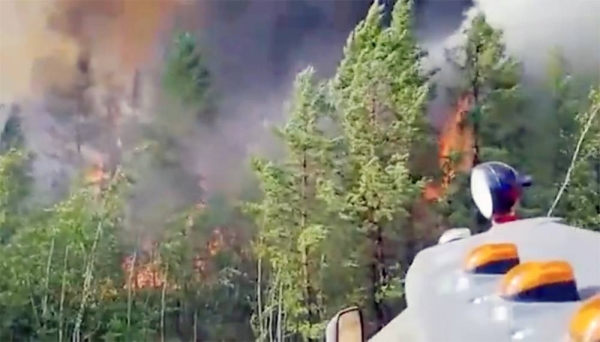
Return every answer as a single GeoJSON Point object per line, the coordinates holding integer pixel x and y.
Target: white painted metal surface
{"type": "Point", "coordinates": [447, 305]}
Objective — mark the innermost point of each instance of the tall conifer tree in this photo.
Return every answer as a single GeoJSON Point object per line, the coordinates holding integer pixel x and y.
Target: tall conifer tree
{"type": "Point", "coordinates": [380, 94]}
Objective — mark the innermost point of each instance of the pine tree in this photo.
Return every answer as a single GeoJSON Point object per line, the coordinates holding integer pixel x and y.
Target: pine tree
{"type": "Point", "coordinates": [555, 137]}
{"type": "Point", "coordinates": [187, 77]}
{"type": "Point", "coordinates": [492, 78]}
{"type": "Point", "coordinates": [290, 217]}
{"type": "Point", "coordinates": [565, 105]}
{"type": "Point", "coordinates": [501, 129]}
{"type": "Point", "coordinates": [380, 96]}
{"type": "Point", "coordinates": [188, 83]}
{"type": "Point", "coordinates": [12, 137]}
{"type": "Point", "coordinates": [580, 204]}
{"type": "Point", "coordinates": [16, 175]}
{"type": "Point", "coordinates": [14, 189]}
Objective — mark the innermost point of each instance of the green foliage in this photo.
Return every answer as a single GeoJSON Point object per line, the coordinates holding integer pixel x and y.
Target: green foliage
{"type": "Point", "coordinates": [524, 135]}
{"type": "Point", "coordinates": [55, 268]}
{"type": "Point", "coordinates": [581, 202]}
{"type": "Point", "coordinates": [492, 77]}
{"type": "Point", "coordinates": [380, 110]}
{"type": "Point", "coordinates": [12, 137]}
{"type": "Point", "coordinates": [213, 286]}
{"type": "Point", "coordinates": [166, 168]}
{"type": "Point", "coordinates": [187, 77]}
{"type": "Point", "coordinates": [291, 220]}
{"type": "Point", "coordinates": [380, 95]}
{"type": "Point", "coordinates": [498, 117]}
{"type": "Point", "coordinates": [361, 42]}
{"type": "Point", "coordinates": [15, 188]}
{"type": "Point", "coordinates": [63, 277]}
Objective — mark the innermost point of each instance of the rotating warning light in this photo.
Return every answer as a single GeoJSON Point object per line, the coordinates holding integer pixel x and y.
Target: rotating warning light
{"type": "Point", "coordinates": [545, 281]}
{"type": "Point", "coordinates": [496, 188]}
{"type": "Point", "coordinates": [493, 258]}
{"type": "Point", "coordinates": [585, 323]}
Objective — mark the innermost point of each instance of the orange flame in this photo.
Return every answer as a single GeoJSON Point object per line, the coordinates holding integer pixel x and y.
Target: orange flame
{"type": "Point", "coordinates": [41, 41]}
{"type": "Point", "coordinates": [456, 136]}
{"type": "Point", "coordinates": [96, 175]}
{"type": "Point", "coordinates": [148, 274]}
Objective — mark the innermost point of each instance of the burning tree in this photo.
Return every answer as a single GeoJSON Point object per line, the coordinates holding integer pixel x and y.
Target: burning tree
{"type": "Point", "coordinates": [492, 79]}
{"type": "Point", "coordinates": [455, 149]}
{"type": "Point", "coordinates": [489, 115]}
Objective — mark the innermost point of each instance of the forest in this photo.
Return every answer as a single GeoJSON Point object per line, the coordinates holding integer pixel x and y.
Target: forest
{"type": "Point", "coordinates": [364, 183]}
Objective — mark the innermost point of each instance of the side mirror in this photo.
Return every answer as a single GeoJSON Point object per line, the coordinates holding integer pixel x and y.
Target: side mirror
{"type": "Point", "coordinates": [346, 326]}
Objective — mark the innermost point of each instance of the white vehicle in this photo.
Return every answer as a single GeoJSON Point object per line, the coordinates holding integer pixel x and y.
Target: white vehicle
{"type": "Point", "coordinates": [533, 280]}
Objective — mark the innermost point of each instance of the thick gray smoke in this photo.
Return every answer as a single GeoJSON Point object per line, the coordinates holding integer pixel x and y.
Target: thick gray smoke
{"type": "Point", "coordinates": [257, 46]}
{"type": "Point", "coordinates": [532, 28]}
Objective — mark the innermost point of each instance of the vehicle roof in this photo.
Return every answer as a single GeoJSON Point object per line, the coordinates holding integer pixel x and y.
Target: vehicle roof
{"type": "Point", "coordinates": [447, 304]}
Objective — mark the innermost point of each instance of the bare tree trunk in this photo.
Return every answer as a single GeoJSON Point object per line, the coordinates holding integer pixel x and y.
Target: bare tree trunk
{"type": "Point", "coordinates": [475, 92]}
{"type": "Point", "coordinates": [378, 271]}
{"type": "Point", "coordinates": [163, 306]}
{"type": "Point", "coordinates": [130, 287]}
{"type": "Point", "coordinates": [261, 329]}
{"type": "Point", "coordinates": [195, 338]}
{"type": "Point", "coordinates": [280, 326]}
{"type": "Point", "coordinates": [480, 221]}
{"type": "Point", "coordinates": [598, 180]}
{"type": "Point", "coordinates": [310, 300]}
{"type": "Point", "coordinates": [83, 65]}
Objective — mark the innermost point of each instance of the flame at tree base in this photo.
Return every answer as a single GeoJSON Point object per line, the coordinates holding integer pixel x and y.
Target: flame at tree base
{"type": "Point", "coordinates": [456, 139]}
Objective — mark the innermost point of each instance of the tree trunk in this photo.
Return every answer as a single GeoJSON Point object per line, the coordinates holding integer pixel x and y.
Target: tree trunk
{"type": "Point", "coordinates": [598, 183]}
{"type": "Point", "coordinates": [481, 223]}
{"type": "Point", "coordinates": [310, 299]}
{"type": "Point", "coordinates": [475, 92]}
{"type": "Point", "coordinates": [375, 235]}
{"type": "Point", "coordinates": [378, 272]}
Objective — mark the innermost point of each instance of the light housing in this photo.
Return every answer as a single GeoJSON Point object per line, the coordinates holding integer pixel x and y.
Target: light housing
{"type": "Point", "coordinates": [496, 187]}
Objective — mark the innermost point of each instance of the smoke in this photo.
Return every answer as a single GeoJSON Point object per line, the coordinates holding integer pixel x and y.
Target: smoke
{"type": "Point", "coordinates": [533, 28]}
{"type": "Point", "coordinates": [73, 55]}
{"type": "Point", "coordinates": [24, 41]}
{"type": "Point", "coordinates": [87, 52]}
{"type": "Point", "coordinates": [256, 47]}
{"type": "Point", "coordinates": [49, 44]}
{"type": "Point", "coordinates": [70, 66]}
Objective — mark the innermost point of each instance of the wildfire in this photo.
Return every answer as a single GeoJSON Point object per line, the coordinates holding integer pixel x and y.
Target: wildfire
{"type": "Point", "coordinates": [143, 275]}
{"type": "Point", "coordinates": [149, 274]}
{"type": "Point", "coordinates": [456, 137]}
{"type": "Point", "coordinates": [96, 174]}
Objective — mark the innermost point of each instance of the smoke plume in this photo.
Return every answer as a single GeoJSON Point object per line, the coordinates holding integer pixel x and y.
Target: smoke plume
{"type": "Point", "coordinates": [256, 47]}
{"type": "Point", "coordinates": [70, 67]}
{"type": "Point", "coordinates": [88, 51]}
{"type": "Point", "coordinates": [533, 28]}
{"type": "Point", "coordinates": [48, 44]}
